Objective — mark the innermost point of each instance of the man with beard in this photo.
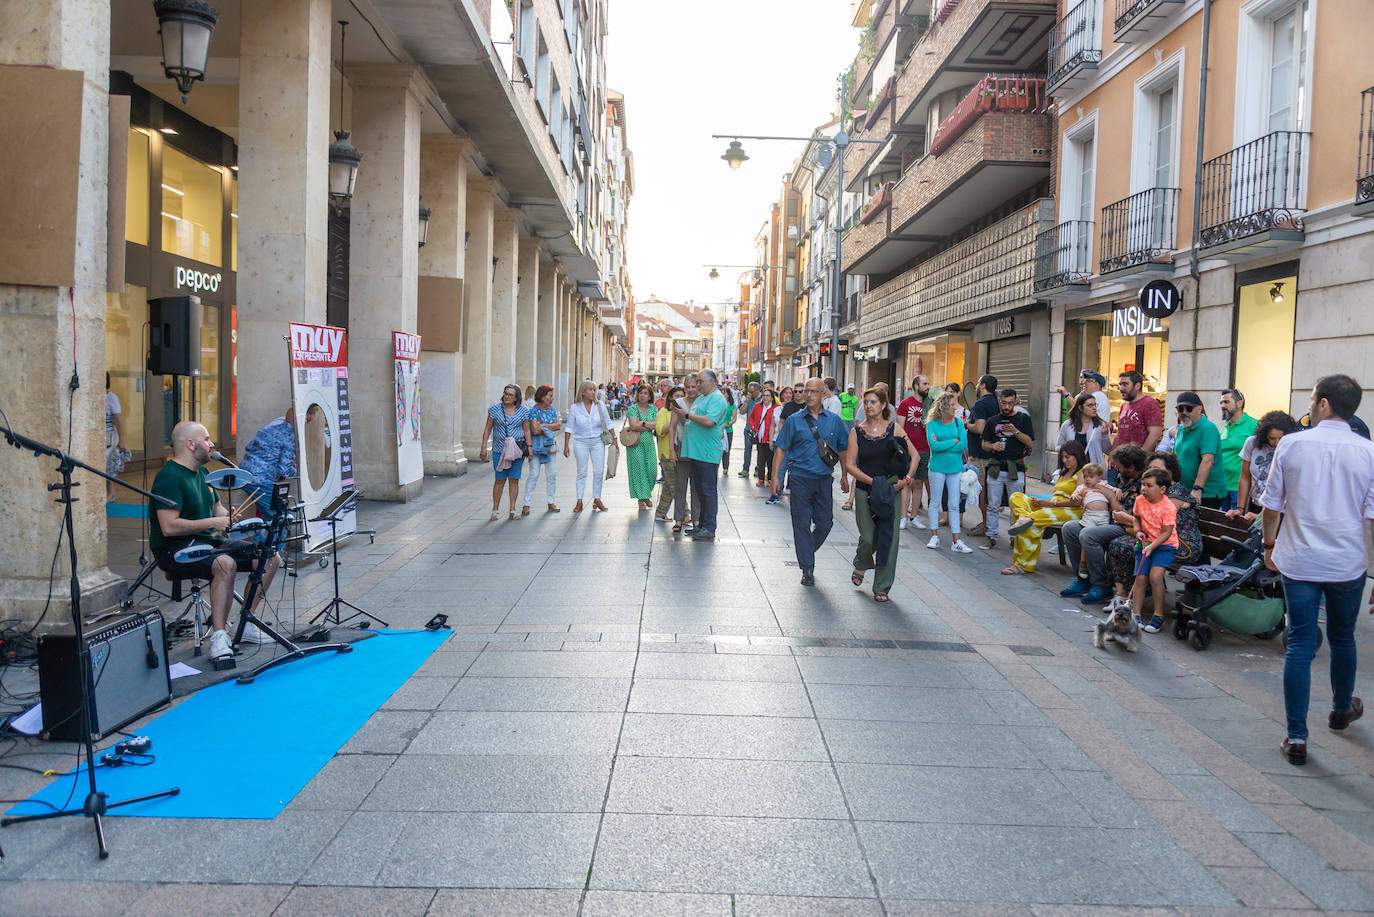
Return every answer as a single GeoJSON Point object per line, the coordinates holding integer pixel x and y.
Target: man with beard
{"type": "Point", "coordinates": [199, 518]}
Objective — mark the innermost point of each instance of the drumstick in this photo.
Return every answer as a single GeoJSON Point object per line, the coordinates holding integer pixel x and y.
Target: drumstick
{"type": "Point", "coordinates": [246, 500]}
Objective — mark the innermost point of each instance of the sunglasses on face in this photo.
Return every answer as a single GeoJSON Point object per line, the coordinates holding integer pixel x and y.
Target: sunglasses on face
{"type": "Point", "coordinates": [1185, 409]}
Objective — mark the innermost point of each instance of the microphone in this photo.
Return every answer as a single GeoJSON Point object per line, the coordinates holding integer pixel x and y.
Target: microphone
{"type": "Point", "coordinates": [219, 457]}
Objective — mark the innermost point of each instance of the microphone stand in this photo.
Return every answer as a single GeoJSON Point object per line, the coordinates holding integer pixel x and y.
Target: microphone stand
{"type": "Point", "coordinates": [97, 803]}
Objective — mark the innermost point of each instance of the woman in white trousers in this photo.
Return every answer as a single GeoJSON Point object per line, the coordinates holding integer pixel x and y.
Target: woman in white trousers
{"type": "Point", "coordinates": [587, 420]}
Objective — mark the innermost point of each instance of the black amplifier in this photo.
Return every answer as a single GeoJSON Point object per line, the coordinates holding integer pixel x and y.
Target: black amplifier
{"type": "Point", "coordinates": [126, 676]}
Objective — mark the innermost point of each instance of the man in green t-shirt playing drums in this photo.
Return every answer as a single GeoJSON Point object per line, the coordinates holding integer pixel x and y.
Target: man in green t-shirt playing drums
{"type": "Point", "coordinates": [199, 518]}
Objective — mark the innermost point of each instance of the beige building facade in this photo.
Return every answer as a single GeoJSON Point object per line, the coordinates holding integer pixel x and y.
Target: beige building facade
{"type": "Point", "coordinates": [490, 115]}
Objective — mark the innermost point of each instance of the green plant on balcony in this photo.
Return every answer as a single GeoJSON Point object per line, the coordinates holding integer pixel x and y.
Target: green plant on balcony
{"type": "Point", "coordinates": [868, 51]}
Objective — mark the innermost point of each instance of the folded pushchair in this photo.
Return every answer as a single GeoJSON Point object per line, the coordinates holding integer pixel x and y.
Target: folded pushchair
{"type": "Point", "coordinates": [1239, 594]}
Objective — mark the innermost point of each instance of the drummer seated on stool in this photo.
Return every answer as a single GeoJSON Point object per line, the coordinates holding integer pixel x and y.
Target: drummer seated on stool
{"type": "Point", "coordinates": [199, 518]}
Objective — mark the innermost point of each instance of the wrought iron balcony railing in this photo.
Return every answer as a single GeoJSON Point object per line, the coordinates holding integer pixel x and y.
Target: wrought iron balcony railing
{"type": "Point", "coordinates": [1130, 13]}
{"type": "Point", "coordinates": [1062, 255]}
{"type": "Point", "coordinates": [1255, 188]}
{"type": "Point", "coordinates": [1139, 230]}
{"type": "Point", "coordinates": [1364, 163]}
{"type": "Point", "coordinates": [1074, 41]}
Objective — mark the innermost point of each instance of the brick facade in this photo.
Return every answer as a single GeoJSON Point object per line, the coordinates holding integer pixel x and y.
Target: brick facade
{"type": "Point", "coordinates": [990, 272]}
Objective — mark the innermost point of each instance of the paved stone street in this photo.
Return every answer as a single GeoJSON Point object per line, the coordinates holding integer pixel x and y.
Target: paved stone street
{"type": "Point", "coordinates": [628, 723]}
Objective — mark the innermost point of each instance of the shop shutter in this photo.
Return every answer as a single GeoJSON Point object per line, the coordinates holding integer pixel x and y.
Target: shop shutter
{"type": "Point", "coordinates": [1009, 361]}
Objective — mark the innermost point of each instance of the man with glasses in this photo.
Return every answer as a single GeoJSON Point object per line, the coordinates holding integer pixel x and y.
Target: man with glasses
{"type": "Point", "coordinates": [1198, 447]}
{"type": "Point", "coordinates": [1090, 382]}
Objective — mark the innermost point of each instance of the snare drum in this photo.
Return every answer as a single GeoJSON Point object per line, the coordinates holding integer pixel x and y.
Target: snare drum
{"type": "Point", "coordinates": [248, 531]}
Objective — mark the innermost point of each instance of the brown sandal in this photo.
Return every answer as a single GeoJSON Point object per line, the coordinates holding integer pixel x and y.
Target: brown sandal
{"type": "Point", "coordinates": [553, 508]}
{"type": "Point", "coordinates": [577, 507]}
{"type": "Point", "coordinates": [598, 505]}
{"type": "Point", "coordinates": [524, 510]}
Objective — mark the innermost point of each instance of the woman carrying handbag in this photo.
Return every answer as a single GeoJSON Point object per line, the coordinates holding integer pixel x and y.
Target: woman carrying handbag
{"type": "Point", "coordinates": [586, 433]}
{"type": "Point", "coordinates": [641, 446]}
{"type": "Point", "coordinates": [508, 427]}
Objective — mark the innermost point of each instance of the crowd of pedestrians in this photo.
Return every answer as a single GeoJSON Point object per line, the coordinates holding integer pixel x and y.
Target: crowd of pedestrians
{"type": "Point", "coordinates": [1127, 500]}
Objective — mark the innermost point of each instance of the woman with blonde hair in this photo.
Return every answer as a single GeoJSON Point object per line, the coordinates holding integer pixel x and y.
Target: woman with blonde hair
{"type": "Point", "coordinates": [948, 439]}
{"type": "Point", "coordinates": [587, 420]}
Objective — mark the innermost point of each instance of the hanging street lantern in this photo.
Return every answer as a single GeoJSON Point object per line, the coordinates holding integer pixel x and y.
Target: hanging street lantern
{"type": "Point", "coordinates": [714, 275]}
{"type": "Point", "coordinates": [343, 156]}
{"type": "Point", "coordinates": [424, 224]}
{"type": "Point", "coordinates": [185, 27]}
{"type": "Point", "coordinates": [734, 154]}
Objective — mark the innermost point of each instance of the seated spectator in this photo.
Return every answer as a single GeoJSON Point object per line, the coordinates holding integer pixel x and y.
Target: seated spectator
{"type": "Point", "coordinates": [1121, 551]}
{"type": "Point", "coordinates": [1032, 515]}
{"type": "Point", "coordinates": [1255, 458]}
{"type": "Point", "coordinates": [1089, 543]}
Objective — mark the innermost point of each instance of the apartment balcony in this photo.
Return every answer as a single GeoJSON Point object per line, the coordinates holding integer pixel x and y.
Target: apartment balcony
{"type": "Point", "coordinates": [1364, 162]}
{"type": "Point", "coordinates": [976, 35]}
{"type": "Point", "coordinates": [1138, 233]}
{"type": "Point", "coordinates": [1141, 21]}
{"type": "Point", "coordinates": [990, 272]}
{"type": "Point", "coordinates": [1075, 48]}
{"type": "Point", "coordinates": [1254, 197]}
{"type": "Point", "coordinates": [1063, 260]}
{"type": "Point", "coordinates": [997, 156]}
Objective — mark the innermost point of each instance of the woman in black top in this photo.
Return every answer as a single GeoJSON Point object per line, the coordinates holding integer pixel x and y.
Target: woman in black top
{"type": "Point", "coordinates": [875, 460]}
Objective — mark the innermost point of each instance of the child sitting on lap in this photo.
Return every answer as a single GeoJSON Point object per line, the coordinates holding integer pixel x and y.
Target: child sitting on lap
{"type": "Point", "coordinates": [1092, 493]}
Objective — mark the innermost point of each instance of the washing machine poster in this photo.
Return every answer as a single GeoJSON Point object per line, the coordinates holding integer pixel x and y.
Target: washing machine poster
{"type": "Point", "coordinates": [410, 459]}
{"type": "Point", "coordinates": [324, 443]}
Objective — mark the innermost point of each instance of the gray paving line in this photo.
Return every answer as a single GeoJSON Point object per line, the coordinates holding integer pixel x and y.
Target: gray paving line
{"type": "Point", "coordinates": [620, 730]}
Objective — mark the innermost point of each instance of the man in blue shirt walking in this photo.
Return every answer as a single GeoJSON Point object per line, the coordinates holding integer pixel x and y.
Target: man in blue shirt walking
{"type": "Point", "coordinates": [797, 447]}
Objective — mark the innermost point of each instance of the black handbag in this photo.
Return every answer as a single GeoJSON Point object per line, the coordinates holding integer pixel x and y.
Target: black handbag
{"type": "Point", "coordinates": [827, 451]}
{"type": "Point", "coordinates": [899, 462]}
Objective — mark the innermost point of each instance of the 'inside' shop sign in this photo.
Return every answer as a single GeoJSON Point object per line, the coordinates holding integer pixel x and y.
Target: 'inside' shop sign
{"type": "Point", "coordinates": [1129, 321]}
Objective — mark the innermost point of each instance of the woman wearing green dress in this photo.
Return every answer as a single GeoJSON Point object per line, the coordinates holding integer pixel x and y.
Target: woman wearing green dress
{"type": "Point", "coordinates": [642, 458]}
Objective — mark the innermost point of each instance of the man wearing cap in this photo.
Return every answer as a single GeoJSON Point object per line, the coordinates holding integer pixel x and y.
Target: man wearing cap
{"type": "Point", "coordinates": [1198, 447]}
{"type": "Point", "coordinates": [1090, 382]}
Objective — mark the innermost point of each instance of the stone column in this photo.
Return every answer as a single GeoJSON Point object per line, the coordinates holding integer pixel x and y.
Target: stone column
{"type": "Point", "coordinates": [505, 270]}
{"type": "Point", "coordinates": [563, 342]}
{"type": "Point", "coordinates": [45, 330]}
{"type": "Point", "coordinates": [527, 310]}
{"type": "Point", "coordinates": [546, 323]}
{"type": "Point", "coordinates": [439, 305]}
{"type": "Point", "coordinates": [383, 264]}
{"type": "Point", "coordinates": [284, 77]}
{"type": "Point", "coordinates": [477, 290]}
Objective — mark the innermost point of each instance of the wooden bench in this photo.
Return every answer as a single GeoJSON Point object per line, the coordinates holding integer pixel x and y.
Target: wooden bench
{"type": "Point", "coordinates": [1215, 526]}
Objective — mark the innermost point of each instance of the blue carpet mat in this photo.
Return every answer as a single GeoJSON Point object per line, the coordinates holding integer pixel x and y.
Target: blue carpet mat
{"type": "Point", "coordinates": [245, 751]}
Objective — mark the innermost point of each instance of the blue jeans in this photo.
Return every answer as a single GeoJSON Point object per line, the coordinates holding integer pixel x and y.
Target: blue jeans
{"type": "Point", "coordinates": [1232, 499]}
{"type": "Point", "coordinates": [704, 480]}
{"type": "Point", "coordinates": [1342, 611]}
{"type": "Point", "coordinates": [813, 515]}
{"type": "Point", "coordinates": [748, 449]}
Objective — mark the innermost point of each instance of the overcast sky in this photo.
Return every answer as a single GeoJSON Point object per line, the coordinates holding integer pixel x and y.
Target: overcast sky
{"type": "Point", "coordinates": [715, 67]}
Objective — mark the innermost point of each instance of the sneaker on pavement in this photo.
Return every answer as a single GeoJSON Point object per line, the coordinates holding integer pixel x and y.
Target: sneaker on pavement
{"type": "Point", "coordinates": [1078, 587]}
{"type": "Point", "coordinates": [1156, 623]}
{"type": "Point", "coordinates": [917, 523]}
{"type": "Point", "coordinates": [773, 500]}
{"type": "Point", "coordinates": [979, 528]}
{"type": "Point", "coordinates": [220, 647]}
{"type": "Point", "coordinates": [902, 524]}
{"type": "Point", "coordinates": [1020, 525]}
{"type": "Point", "coordinates": [961, 547]}
{"type": "Point", "coordinates": [1096, 596]}
{"type": "Point", "coordinates": [703, 535]}
{"type": "Point", "coordinates": [934, 541]}
{"type": "Point", "coordinates": [991, 543]}
{"type": "Point", "coordinates": [253, 634]}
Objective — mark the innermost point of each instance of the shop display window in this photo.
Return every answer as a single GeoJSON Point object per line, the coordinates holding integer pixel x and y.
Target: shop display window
{"type": "Point", "coordinates": [196, 397]}
{"type": "Point", "coordinates": [1264, 344]}
{"type": "Point", "coordinates": [1094, 346]}
{"type": "Point", "coordinates": [136, 204]}
{"type": "Point", "coordinates": [940, 359]}
{"type": "Point", "coordinates": [126, 314]}
{"type": "Point", "coordinates": [192, 208]}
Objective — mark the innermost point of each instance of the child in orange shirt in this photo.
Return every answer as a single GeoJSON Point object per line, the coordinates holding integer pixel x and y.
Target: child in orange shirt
{"type": "Point", "coordinates": [1156, 520]}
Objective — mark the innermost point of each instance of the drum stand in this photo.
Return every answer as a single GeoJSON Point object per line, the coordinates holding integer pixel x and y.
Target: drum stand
{"type": "Point", "coordinates": [331, 612]}
{"type": "Point", "coordinates": [96, 803]}
{"type": "Point", "coordinates": [265, 551]}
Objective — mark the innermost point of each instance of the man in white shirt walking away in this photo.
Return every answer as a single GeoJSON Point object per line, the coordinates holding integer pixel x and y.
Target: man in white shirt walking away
{"type": "Point", "coordinates": [1321, 484]}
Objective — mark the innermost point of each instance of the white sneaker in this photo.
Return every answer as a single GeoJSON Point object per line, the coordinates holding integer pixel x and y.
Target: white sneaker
{"type": "Point", "coordinates": [916, 521]}
{"type": "Point", "coordinates": [220, 647]}
{"type": "Point", "coordinates": [253, 634]}
{"type": "Point", "coordinates": [961, 547]}
{"type": "Point", "coordinates": [934, 541]}
{"type": "Point", "coordinates": [902, 524]}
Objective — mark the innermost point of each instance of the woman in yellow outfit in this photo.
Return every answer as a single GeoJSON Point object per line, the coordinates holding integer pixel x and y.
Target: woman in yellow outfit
{"type": "Point", "coordinates": [1057, 510]}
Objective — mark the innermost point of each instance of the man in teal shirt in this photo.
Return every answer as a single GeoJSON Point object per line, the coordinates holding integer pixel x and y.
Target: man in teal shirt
{"type": "Point", "coordinates": [1198, 447]}
{"type": "Point", "coordinates": [1239, 427]}
{"type": "Point", "coordinates": [702, 444]}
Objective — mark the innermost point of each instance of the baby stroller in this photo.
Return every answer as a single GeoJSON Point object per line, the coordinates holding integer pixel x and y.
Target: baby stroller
{"type": "Point", "coordinates": [1239, 594]}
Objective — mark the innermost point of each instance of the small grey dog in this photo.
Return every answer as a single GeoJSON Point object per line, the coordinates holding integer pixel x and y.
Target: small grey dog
{"type": "Point", "coordinates": [1120, 625]}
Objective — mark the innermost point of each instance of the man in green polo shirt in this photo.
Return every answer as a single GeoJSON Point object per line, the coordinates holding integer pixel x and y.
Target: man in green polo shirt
{"type": "Point", "coordinates": [1239, 427]}
{"type": "Point", "coordinates": [848, 401]}
{"type": "Point", "coordinates": [1198, 447]}
{"type": "Point", "coordinates": [199, 518]}
{"type": "Point", "coordinates": [702, 444]}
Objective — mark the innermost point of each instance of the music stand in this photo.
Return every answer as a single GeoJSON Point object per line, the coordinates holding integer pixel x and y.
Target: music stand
{"type": "Point", "coordinates": [281, 493]}
{"type": "Point", "coordinates": [96, 804]}
{"type": "Point", "coordinates": [330, 613]}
